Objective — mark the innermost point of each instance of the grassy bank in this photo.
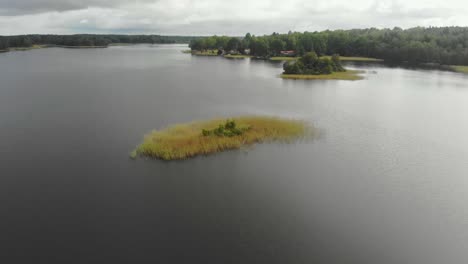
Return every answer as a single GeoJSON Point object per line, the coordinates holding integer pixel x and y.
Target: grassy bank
{"type": "Point", "coordinates": [192, 139]}
{"type": "Point", "coordinates": [460, 69]}
{"type": "Point", "coordinates": [27, 48]}
{"type": "Point", "coordinates": [363, 59]}
{"type": "Point", "coordinates": [358, 59]}
{"type": "Point", "coordinates": [123, 44]}
{"type": "Point", "coordinates": [205, 53]}
{"type": "Point", "coordinates": [82, 47]}
{"type": "Point", "coordinates": [284, 58]}
{"type": "Point", "coordinates": [230, 56]}
{"type": "Point", "coordinates": [349, 75]}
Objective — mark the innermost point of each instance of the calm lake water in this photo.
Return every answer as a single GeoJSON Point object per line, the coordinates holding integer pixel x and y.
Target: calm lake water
{"type": "Point", "coordinates": [387, 182]}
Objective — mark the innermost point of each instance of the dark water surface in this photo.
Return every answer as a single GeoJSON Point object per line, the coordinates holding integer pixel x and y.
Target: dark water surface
{"type": "Point", "coordinates": [387, 182]}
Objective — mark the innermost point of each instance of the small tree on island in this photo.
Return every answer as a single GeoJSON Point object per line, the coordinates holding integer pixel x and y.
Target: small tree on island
{"type": "Point", "coordinates": [337, 67]}
{"type": "Point", "coordinates": [310, 63]}
{"type": "Point", "coordinates": [229, 129]}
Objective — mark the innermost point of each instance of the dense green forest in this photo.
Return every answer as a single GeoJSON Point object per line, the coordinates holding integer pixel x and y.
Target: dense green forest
{"type": "Point", "coordinates": [25, 41]}
{"type": "Point", "coordinates": [441, 45]}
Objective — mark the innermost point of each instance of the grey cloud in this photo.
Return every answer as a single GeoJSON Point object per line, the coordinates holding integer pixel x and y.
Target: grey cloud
{"type": "Point", "coordinates": [21, 7]}
{"type": "Point", "coordinates": [206, 17]}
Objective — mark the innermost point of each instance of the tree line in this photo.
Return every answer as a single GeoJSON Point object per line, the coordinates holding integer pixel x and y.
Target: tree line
{"type": "Point", "coordinates": [441, 45]}
{"type": "Point", "coordinates": [24, 41]}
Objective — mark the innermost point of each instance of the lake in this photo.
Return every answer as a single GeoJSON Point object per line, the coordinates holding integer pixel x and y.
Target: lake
{"type": "Point", "coordinates": [386, 182]}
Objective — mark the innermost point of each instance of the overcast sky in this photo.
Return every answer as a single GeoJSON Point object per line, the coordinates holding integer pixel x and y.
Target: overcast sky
{"type": "Point", "coordinates": [207, 17]}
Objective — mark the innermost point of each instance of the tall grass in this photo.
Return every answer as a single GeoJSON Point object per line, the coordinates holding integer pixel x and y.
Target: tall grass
{"type": "Point", "coordinates": [186, 140]}
{"type": "Point", "coordinates": [363, 59]}
{"type": "Point", "coordinates": [342, 58]}
{"type": "Point", "coordinates": [348, 75]}
{"type": "Point", "coordinates": [461, 69]}
{"type": "Point", "coordinates": [27, 48]}
{"type": "Point", "coordinates": [284, 58]}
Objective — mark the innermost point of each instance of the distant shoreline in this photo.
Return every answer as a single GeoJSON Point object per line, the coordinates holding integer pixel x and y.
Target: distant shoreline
{"type": "Point", "coordinates": [50, 46]}
{"type": "Point", "coordinates": [77, 47]}
{"type": "Point", "coordinates": [213, 53]}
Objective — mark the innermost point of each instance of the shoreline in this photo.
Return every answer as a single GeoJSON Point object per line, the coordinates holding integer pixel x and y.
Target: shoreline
{"type": "Point", "coordinates": [276, 58]}
{"type": "Point", "coordinates": [44, 46]}
{"type": "Point", "coordinates": [25, 48]}
{"type": "Point", "coordinates": [342, 58]}
{"type": "Point", "coordinates": [77, 47]}
{"type": "Point", "coordinates": [205, 53]}
{"type": "Point", "coordinates": [238, 56]}
{"type": "Point", "coordinates": [34, 47]}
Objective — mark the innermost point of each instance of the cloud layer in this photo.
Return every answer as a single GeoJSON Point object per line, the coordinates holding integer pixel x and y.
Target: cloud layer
{"type": "Point", "coordinates": [190, 17]}
{"type": "Point", "coordinates": [18, 7]}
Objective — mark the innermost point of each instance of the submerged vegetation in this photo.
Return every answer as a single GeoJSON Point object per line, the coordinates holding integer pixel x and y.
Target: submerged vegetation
{"type": "Point", "coordinates": [206, 137]}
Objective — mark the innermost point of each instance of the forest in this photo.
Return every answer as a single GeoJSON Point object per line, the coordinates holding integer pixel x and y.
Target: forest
{"type": "Point", "coordinates": [438, 45]}
{"type": "Point", "coordinates": [25, 41]}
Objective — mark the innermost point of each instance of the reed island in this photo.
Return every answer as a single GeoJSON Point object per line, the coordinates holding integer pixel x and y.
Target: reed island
{"type": "Point", "coordinates": [183, 141]}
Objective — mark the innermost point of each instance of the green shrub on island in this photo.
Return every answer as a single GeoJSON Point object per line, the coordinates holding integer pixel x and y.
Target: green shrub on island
{"type": "Point", "coordinates": [229, 129]}
{"type": "Point", "coordinates": [206, 137]}
{"type": "Point", "coordinates": [311, 64]}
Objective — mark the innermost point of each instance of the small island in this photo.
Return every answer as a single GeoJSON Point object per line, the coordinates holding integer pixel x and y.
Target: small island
{"type": "Point", "coordinates": [311, 67]}
{"type": "Point", "coordinates": [185, 141]}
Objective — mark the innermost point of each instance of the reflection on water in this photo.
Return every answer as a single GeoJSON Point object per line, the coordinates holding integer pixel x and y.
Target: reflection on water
{"type": "Point", "coordinates": [386, 184]}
